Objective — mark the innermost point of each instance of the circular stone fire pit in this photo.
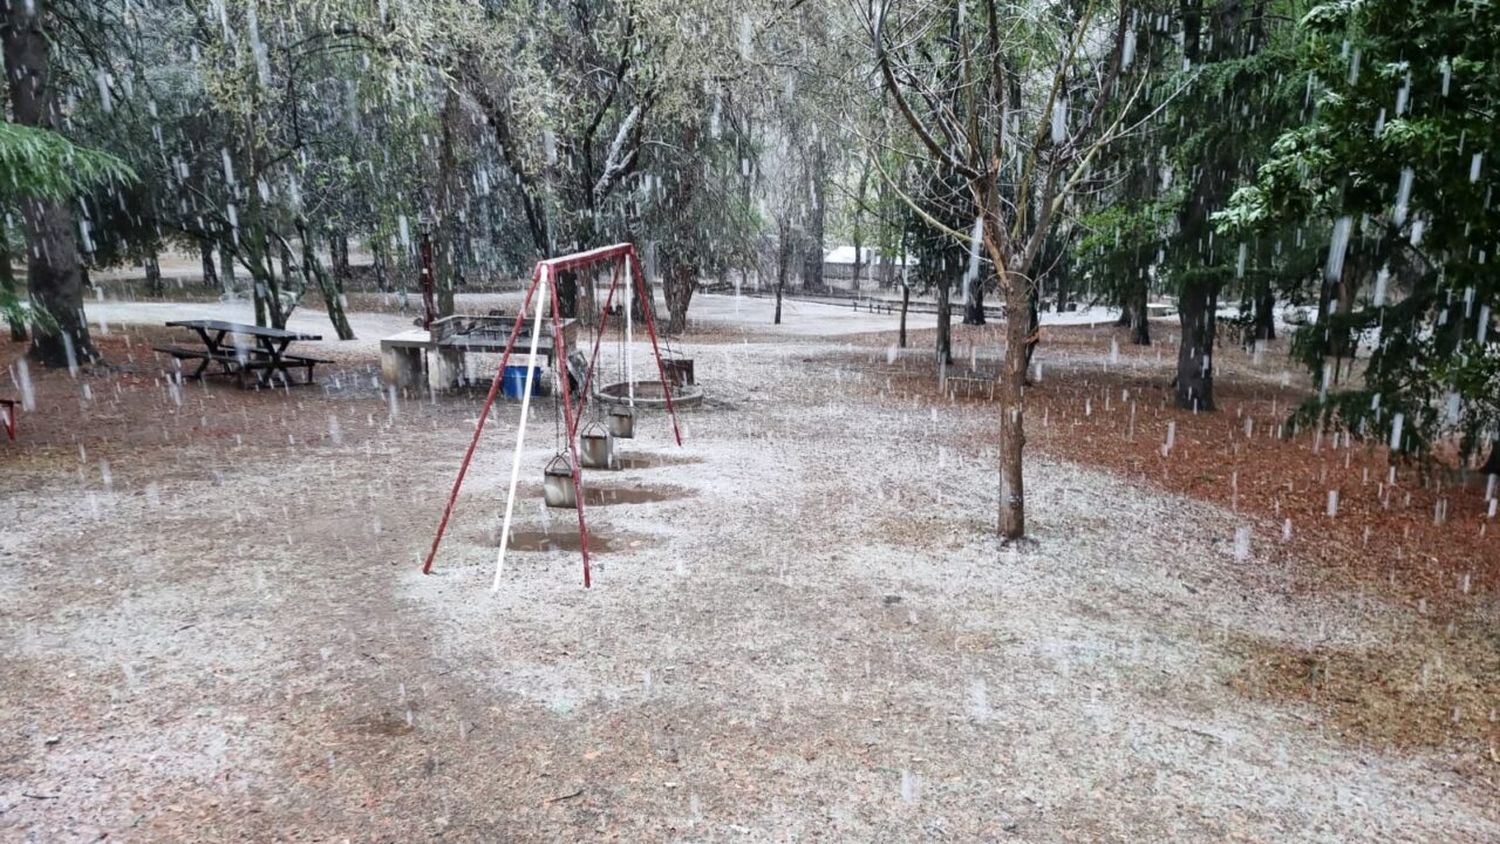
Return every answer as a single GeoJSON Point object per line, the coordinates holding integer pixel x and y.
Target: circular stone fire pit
{"type": "Point", "coordinates": [649, 394]}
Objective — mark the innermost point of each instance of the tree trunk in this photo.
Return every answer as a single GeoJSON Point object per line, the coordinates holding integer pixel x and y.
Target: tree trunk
{"type": "Point", "coordinates": [1195, 370]}
{"type": "Point", "coordinates": [643, 299]}
{"type": "Point", "coordinates": [288, 264]}
{"type": "Point", "coordinates": [153, 272]}
{"type": "Point", "coordinates": [783, 265]}
{"type": "Point", "coordinates": [54, 273]}
{"type": "Point", "coordinates": [905, 303]}
{"type": "Point", "coordinates": [1344, 342]}
{"type": "Point", "coordinates": [338, 253]}
{"type": "Point", "coordinates": [17, 322]}
{"type": "Point", "coordinates": [330, 287]}
{"type": "Point", "coordinates": [1199, 297]}
{"type": "Point", "coordinates": [1140, 326]}
{"type": "Point", "coordinates": [268, 310]}
{"type": "Point", "coordinates": [567, 294]}
{"type": "Point", "coordinates": [258, 294]}
{"type": "Point", "coordinates": [380, 264]}
{"type": "Point", "coordinates": [974, 304]}
{"type": "Point", "coordinates": [678, 285]}
{"type": "Point", "coordinates": [1124, 319]}
{"type": "Point", "coordinates": [445, 231]}
{"type": "Point", "coordinates": [1013, 410]}
{"type": "Point", "coordinates": [1033, 322]}
{"type": "Point", "coordinates": [812, 262]}
{"type": "Point", "coordinates": [1492, 465]}
{"type": "Point", "coordinates": [1265, 313]}
{"type": "Point", "coordinates": [944, 323]}
{"type": "Point", "coordinates": [206, 260]}
{"type": "Point", "coordinates": [226, 268]}
{"type": "Point", "coordinates": [859, 207]}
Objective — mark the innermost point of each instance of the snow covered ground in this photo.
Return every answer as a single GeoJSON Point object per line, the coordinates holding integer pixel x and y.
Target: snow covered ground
{"type": "Point", "coordinates": [214, 627]}
{"type": "Point", "coordinates": [799, 318]}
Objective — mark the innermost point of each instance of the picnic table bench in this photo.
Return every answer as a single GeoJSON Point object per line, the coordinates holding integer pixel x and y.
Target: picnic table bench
{"type": "Point", "coordinates": [241, 350]}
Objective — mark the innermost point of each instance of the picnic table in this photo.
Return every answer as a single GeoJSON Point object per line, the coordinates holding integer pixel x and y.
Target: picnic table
{"type": "Point", "coordinates": [241, 350]}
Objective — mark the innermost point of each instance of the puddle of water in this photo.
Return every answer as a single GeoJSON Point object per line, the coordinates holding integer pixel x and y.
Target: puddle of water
{"type": "Point", "coordinates": [562, 539]}
{"type": "Point", "coordinates": [647, 461]}
{"type": "Point", "coordinates": [546, 540]}
{"type": "Point", "coordinates": [600, 495]}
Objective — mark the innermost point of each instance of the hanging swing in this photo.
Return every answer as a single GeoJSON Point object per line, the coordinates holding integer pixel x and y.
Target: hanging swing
{"type": "Point", "coordinates": [557, 476]}
{"type": "Point", "coordinates": [596, 448]}
{"type": "Point", "coordinates": [557, 482]}
{"type": "Point", "coordinates": [678, 369]}
{"type": "Point", "coordinates": [622, 417]}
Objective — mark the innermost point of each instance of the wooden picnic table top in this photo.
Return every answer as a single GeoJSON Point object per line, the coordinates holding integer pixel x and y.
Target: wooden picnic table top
{"type": "Point", "coordinates": [240, 328]}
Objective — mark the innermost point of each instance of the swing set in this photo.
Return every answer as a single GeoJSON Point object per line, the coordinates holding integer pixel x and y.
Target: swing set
{"type": "Point", "coordinates": [565, 465]}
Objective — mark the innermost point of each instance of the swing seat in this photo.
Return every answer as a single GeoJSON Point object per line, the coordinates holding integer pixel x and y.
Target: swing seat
{"type": "Point", "coordinates": [622, 422]}
{"type": "Point", "coordinates": [557, 483]}
{"type": "Point", "coordinates": [596, 448]}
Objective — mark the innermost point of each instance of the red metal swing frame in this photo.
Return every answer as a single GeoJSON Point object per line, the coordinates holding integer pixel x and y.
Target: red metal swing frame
{"type": "Point", "coordinates": [624, 257]}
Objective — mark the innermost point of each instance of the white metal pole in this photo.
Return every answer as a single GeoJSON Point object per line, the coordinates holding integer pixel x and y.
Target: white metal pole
{"type": "Point", "coordinates": [515, 464]}
{"type": "Point", "coordinates": [629, 306]}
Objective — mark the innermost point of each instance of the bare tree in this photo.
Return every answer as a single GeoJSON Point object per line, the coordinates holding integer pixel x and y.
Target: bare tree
{"type": "Point", "coordinates": [1016, 102]}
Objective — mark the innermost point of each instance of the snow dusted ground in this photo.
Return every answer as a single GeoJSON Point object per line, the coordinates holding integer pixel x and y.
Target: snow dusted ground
{"type": "Point", "coordinates": [216, 629]}
{"type": "Point", "coordinates": [369, 328]}
{"type": "Point", "coordinates": [799, 318]}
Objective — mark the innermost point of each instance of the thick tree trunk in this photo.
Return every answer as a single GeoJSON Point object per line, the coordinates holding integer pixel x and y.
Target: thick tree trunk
{"type": "Point", "coordinates": [812, 262]}
{"type": "Point", "coordinates": [54, 273]}
{"type": "Point", "coordinates": [8, 286]}
{"type": "Point", "coordinates": [1199, 297]}
{"type": "Point", "coordinates": [206, 261]}
{"type": "Point", "coordinates": [1195, 370]}
{"type": "Point", "coordinates": [1060, 303]}
{"type": "Point", "coordinates": [678, 285]}
{"type": "Point", "coordinates": [567, 293]}
{"type": "Point", "coordinates": [1140, 328]}
{"type": "Point", "coordinates": [974, 304]}
{"type": "Point", "coordinates": [1265, 313]}
{"type": "Point", "coordinates": [643, 296]}
{"type": "Point", "coordinates": [226, 268]}
{"type": "Point", "coordinates": [1492, 465]}
{"type": "Point", "coordinates": [1140, 325]}
{"type": "Point", "coordinates": [1124, 319]}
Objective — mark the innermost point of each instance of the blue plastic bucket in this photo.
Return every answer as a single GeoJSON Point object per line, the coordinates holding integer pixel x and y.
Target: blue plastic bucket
{"type": "Point", "coordinates": [513, 385]}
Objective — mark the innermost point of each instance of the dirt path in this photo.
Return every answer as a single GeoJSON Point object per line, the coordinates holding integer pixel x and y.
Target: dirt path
{"type": "Point", "coordinates": [213, 628]}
